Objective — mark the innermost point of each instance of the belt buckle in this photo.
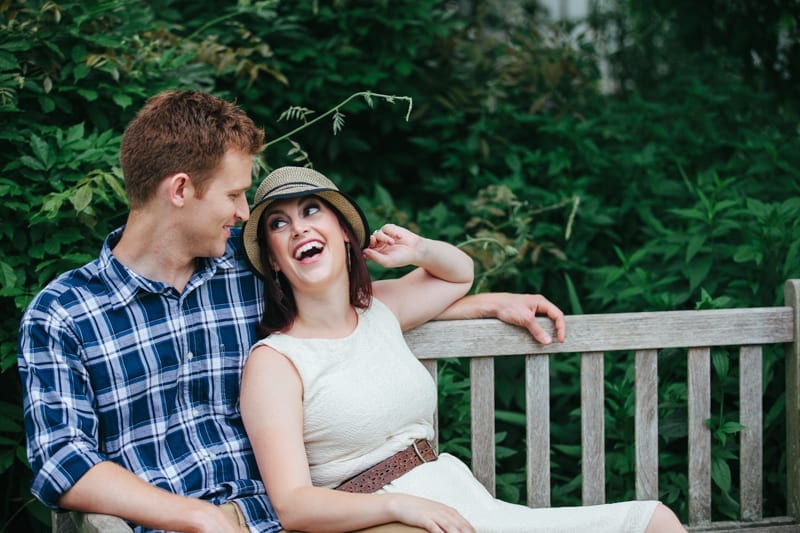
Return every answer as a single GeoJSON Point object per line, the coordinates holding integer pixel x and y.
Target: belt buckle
{"type": "Point", "coordinates": [419, 454]}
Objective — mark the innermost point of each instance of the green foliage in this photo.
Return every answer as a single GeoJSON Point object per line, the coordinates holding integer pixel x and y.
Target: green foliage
{"type": "Point", "coordinates": [649, 39]}
{"type": "Point", "coordinates": [678, 190]}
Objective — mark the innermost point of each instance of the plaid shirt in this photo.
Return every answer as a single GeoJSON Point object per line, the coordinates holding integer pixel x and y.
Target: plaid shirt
{"type": "Point", "coordinates": [119, 368]}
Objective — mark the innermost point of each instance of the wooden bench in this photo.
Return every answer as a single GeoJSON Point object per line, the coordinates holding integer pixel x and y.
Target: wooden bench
{"type": "Point", "coordinates": [643, 334]}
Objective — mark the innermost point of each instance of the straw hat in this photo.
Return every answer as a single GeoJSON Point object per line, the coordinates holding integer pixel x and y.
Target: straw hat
{"type": "Point", "coordinates": [292, 182]}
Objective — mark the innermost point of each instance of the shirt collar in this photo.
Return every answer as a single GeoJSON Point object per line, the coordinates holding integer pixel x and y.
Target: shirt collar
{"type": "Point", "coordinates": [124, 284]}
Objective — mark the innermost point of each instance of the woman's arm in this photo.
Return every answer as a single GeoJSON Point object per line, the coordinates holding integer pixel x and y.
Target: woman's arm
{"type": "Point", "coordinates": [517, 309]}
{"type": "Point", "coordinates": [444, 275]}
{"type": "Point", "coordinates": [272, 410]}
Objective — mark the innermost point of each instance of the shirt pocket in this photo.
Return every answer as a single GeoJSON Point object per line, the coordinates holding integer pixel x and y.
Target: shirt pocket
{"type": "Point", "coordinates": [214, 381]}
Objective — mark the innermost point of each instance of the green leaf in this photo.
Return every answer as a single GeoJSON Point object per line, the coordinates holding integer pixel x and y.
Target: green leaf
{"type": "Point", "coordinates": [572, 293]}
{"type": "Point", "coordinates": [746, 253]}
{"type": "Point", "coordinates": [7, 425]}
{"type": "Point", "coordinates": [75, 133]}
{"type": "Point", "coordinates": [89, 94]}
{"type": "Point", "coordinates": [8, 278]}
{"type": "Point", "coordinates": [114, 180]}
{"type": "Point", "coordinates": [697, 271]}
{"type": "Point", "coordinates": [721, 363]}
{"type": "Point", "coordinates": [511, 417]}
{"type": "Point", "coordinates": [383, 196]}
{"type": "Point", "coordinates": [51, 205]}
{"type": "Point", "coordinates": [30, 162]}
{"type": "Point", "coordinates": [46, 103]}
{"type": "Point", "coordinates": [6, 459]}
{"type": "Point", "coordinates": [122, 100]}
{"type": "Point", "coordinates": [82, 198]}
{"type": "Point", "coordinates": [21, 45]}
{"type": "Point", "coordinates": [41, 150]}
{"type": "Point", "coordinates": [8, 61]}
{"type": "Point", "coordinates": [696, 242]}
{"type": "Point", "coordinates": [731, 427]}
{"type": "Point", "coordinates": [721, 474]}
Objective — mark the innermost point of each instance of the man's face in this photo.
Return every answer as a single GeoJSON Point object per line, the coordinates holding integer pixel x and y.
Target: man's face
{"type": "Point", "coordinates": [223, 204]}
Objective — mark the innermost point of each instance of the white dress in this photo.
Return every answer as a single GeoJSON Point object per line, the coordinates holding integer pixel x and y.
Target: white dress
{"type": "Point", "coordinates": [366, 397]}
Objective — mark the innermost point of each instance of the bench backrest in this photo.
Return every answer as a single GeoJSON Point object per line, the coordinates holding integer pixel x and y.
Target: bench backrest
{"type": "Point", "coordinates": [482, 341]}
{"type": "Point", "coordinates": [591, 335]}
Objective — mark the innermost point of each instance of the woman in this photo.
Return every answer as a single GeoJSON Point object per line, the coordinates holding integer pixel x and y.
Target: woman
{"type": "Point", "coordinates": [333, 390]}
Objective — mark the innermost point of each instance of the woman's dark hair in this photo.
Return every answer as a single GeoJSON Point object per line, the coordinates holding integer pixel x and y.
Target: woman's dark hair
{"type": "Point", "coordinates": [280, 308]}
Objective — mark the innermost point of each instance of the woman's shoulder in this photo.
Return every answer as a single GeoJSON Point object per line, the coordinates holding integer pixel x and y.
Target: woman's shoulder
{"type": "Point", "coordinates": [378, 310]}
{"type": "Point", "coordinates": [273, 342]}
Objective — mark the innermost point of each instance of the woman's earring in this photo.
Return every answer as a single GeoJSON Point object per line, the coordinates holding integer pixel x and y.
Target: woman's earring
{"type": "Point", "coordinates": [347, 247]}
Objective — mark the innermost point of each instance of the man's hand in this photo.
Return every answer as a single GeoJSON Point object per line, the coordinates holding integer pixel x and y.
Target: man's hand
{"type": "Point", "coordinates": [516, 309]}
{"type": "Point", "coordinates": [522, 310]}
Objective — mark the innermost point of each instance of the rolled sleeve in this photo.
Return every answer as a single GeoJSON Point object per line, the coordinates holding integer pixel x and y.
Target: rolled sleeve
{"type": "Point", "coordinates": [60, 421]}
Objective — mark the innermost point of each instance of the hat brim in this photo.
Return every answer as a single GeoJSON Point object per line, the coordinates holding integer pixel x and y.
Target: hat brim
{"type": "Point", "coordinates": [340, 201]}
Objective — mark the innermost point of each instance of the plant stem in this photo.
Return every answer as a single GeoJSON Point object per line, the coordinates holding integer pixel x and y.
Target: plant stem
{"type": "Point", "coordinates": [366, 94]}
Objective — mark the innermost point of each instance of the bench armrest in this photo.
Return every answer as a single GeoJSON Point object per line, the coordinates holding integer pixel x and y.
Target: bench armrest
{"type": "Point", "coordinates": [75, 522]}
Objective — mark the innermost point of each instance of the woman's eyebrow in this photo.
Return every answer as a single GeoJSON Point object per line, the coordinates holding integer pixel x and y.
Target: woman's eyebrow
{"type": "Point", "coordinates": [273, 211]}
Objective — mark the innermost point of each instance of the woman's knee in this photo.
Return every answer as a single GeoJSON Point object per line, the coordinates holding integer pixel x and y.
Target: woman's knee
{"type": "Point", "coordinates": [664, 520]}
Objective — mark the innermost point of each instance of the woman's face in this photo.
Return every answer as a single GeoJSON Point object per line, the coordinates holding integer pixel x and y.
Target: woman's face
{"type": "Point", "coordinates": [306, 241]}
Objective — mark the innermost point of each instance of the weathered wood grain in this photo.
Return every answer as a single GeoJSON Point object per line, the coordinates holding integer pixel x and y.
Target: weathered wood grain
{"type": "Point", "coordinates": [646, 424]}
{"type": "Point", "coordinates": [608, 332]}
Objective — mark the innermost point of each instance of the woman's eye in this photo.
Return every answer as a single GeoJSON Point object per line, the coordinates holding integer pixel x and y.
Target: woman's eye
{"type": "Point", "coordinates": [311, 209]}
{"type": "Point", "coordinates": [276, 223]}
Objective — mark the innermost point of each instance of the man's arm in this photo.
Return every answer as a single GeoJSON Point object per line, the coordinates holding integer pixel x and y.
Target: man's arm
{"type": "Point", "coordinates": [517, 309]}
{"type": "Point", "coordinates": [69, 470]}
{"type": "Point", "coordinates": [108, 488]}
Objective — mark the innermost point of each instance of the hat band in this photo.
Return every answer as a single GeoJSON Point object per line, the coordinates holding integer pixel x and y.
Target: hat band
{"type": "Point", "coordinates": [292, 184]}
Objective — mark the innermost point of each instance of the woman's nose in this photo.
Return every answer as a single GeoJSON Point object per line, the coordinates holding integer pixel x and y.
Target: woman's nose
{"type": "Point", "coordinates": [299, 226]}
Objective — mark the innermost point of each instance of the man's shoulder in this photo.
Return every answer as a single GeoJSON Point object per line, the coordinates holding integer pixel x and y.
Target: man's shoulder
{"type": "Point", "coordinates": [237, 255]}
{"type": "Point", "coordinates": [71, 286]}
{"type": "Point", "coordinates": [236, 244]}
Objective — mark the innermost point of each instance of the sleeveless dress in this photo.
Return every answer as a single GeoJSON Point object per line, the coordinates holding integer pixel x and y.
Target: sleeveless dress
{"type": "Point", "coordinates": [366, 397]}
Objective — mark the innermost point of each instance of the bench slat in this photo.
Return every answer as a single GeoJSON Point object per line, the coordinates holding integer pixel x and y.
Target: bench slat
{"type": "Point", "coordinates": [593, 428]}
{"type": "Point", "coordinates": [646, 423]}
{"type": "Point", "coordinates": [537, 407]}
{"type": "Point", "coordinates": [432, 366]}
{"type": "Point", "coordinates": [699, 377]}
{"type": "Point", "coordinates": [481, 371]}
{"type": "Point", "coordinates": [792, 298]}
{"type": "Point", "coordinates": [776, 524]}
{"type": "Point", "coordinates": [608, 332]}
{"type": "Point", "coordinates": [750, 416]}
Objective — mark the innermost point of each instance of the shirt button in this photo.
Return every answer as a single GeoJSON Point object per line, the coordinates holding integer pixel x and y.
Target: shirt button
{"type": "Point", "coordinates": [195, 413]}
{"type": "Point", "coordinates": [190, 356]}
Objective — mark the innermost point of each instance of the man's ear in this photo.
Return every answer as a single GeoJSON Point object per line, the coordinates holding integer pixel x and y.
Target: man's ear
{"type": "Point", "coordinates": [179, 187]}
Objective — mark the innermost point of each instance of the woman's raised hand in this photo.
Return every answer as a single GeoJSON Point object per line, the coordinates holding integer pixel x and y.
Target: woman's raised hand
{"type": "Point", "coordinates": [393, 246]}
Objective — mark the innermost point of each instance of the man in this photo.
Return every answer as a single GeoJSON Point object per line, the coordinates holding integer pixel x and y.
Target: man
{"type": "Point", "coordinates": [131, 364]}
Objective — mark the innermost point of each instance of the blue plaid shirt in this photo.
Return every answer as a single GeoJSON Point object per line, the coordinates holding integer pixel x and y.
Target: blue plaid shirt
{"type": "Point", "coordinates": [119, 368]}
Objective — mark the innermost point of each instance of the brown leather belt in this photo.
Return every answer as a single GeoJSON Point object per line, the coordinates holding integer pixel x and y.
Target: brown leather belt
{"type": "Point", "coordinates": [390, 469]}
